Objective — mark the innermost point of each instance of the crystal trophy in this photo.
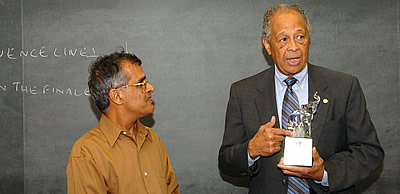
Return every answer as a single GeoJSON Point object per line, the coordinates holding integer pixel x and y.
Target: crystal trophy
{"type": "Point", "coordinates": [298, 148]}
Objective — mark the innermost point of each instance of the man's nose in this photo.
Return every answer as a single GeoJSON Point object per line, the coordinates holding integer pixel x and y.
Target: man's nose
{"type": "Point", "coordinates": [293, 45]}
{"type": "Point", "coordinates": [149, 88]}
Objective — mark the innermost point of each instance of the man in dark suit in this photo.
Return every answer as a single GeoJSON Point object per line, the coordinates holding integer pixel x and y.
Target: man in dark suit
{"type": "Point", "coordinates": [346, 148]}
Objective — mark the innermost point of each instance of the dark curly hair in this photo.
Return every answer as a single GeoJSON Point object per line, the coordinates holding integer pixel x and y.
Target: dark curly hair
{"type": "Point", "coordinates": [106, 72]}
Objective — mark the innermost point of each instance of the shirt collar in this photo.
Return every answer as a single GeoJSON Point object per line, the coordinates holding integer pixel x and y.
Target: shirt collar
{"type": "Point", "coordinates": [112, 131]}
{"type": "Point", "coordinates": [299, 76]}
{"type": "Point", "coordinates": [143, 131]}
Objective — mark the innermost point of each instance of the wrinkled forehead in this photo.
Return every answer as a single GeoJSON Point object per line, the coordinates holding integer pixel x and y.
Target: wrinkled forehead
{"type": "Point", "coordinates": [287, 21]}
{"type": "Point", "coordinates": [285, 10]}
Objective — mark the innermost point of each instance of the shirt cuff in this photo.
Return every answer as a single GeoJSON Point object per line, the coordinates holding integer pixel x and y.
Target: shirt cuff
{"type": "Point", "coordinates": [324, 181]}
{"type": "Point", "coordinates": [250, 161]}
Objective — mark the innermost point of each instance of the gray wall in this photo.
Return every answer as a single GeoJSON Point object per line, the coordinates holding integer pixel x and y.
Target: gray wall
{"type": "Point", "coordinates": [192, 51]}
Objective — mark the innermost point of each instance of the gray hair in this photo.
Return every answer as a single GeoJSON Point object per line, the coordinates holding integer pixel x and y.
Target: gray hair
{"type": "Point", "coordinates": [106, 73]}
{"type": "Point", "coordinates": [269, 12]}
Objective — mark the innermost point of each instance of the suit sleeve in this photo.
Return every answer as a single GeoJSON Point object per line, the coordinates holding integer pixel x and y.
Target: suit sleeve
{"type": "Point", "coordinates": [232, 158]}
{"type": "Point", "coordinates": [364, 153]}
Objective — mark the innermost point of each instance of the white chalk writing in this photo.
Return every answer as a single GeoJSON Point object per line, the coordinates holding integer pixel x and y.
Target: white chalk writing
{"type": "Point", "coordinates": [67, 91]}
{"type": "Point", "coordinates": [43, 52]}
{"type": "Point", "coordinates": [24, 89]}
{"type": "Point", "coordinates": [46, 89]}
{"type": "Point", "coordinates": [3, 87]}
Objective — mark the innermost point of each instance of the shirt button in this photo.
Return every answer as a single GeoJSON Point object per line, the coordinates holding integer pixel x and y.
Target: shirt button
{"type": "Point", "coordinates": [124, 132]}
{"type": "Point", "coordinates": [145, 173]}
{"type": "Point", "coordinates": [284, 181]}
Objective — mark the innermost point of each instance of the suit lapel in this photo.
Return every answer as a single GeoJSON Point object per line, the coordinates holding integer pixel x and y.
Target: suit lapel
{"type": "Point", "coordinates": [316, 83]}
{"type": "Point", "coordinates": [265, 101]}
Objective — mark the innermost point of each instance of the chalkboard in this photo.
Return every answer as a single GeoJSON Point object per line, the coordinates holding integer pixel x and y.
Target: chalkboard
{"type": "Point", "coordinates": [191, 51]}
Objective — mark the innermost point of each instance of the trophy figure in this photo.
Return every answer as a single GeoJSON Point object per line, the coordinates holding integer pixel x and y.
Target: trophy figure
{"type": "Point", "coordinates": [298, 148]}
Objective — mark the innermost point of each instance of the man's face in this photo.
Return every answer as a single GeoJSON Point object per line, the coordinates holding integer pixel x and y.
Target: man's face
{"type": "Point", "coordinates": [289, 42]}
{"type": "Point", "coordinates": [137, 98]}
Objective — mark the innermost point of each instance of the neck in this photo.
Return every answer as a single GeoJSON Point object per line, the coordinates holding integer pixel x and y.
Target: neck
{"type": "Point", "coordinates": [132, 128]}
{"type": "Point", "coordinates": [126, 123]}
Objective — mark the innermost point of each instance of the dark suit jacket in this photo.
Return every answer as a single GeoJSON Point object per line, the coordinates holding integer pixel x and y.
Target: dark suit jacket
{"type": "Point", "coordinates": [342, 131]}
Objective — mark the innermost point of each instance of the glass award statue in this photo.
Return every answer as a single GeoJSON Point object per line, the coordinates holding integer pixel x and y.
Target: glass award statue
{"type": "Point", "coordinates": [298, 148]}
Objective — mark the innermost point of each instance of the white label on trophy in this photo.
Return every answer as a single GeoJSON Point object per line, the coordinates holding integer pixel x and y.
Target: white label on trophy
{"type": "Point", "coordinates": [298, 151]}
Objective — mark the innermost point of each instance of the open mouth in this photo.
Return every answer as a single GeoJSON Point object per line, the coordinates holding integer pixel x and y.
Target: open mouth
{"type": "Point", "coordinates": [294, 61]}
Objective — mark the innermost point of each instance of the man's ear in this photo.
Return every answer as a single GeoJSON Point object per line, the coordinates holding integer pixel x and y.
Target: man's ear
{"type": "Point", "coordinates": [267, 45]}
{"type": "Point", "coordinates": [116, 96]}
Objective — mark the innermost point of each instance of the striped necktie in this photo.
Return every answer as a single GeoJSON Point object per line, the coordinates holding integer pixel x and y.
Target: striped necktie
{"type": "Point", "coordinates": [290, 104]}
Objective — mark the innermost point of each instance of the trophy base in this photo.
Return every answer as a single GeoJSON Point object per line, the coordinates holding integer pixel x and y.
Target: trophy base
{"type": "Point", "coordinates": [298, 151]}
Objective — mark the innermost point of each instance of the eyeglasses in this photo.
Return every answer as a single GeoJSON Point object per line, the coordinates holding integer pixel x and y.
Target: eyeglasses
{"type": "Point", "coordinates": [144, 83]}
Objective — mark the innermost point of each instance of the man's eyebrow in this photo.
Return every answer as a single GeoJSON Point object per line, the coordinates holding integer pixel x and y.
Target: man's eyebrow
{"type": "Point", "coordinates": [284, 32]}
{"type": "Point", "coordinates": [141, 80]}
{"type": "Point", "coordinates": [277, 35]}
{"type": "Point", "coordinates": [300, 30]}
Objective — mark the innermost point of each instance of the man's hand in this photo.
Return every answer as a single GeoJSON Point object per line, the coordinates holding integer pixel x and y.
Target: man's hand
{"type": "Point", "coordinates": [316, 172]}
{"type": "Point", "coordinates": [267, 140]}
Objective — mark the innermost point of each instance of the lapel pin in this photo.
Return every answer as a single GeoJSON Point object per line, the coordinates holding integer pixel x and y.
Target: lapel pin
{"type": "Point", "coordinates": [325, 101]}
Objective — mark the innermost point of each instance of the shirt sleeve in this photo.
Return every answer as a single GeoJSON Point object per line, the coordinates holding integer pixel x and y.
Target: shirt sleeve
{"type": "Point", "coordinates": [84, 176]}
{"type": "Point", "coordinates": [250, 161]}
{"type": "Point", "coordinates": [324, 181]}
{"type": "Point", "coordinates": [172, 182]}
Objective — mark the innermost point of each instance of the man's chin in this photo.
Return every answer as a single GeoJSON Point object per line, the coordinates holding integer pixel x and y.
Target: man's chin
{"type": "Point", "coordinates": [294, 69]}
{"type": "Point", "coordinates": [149, 111]}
